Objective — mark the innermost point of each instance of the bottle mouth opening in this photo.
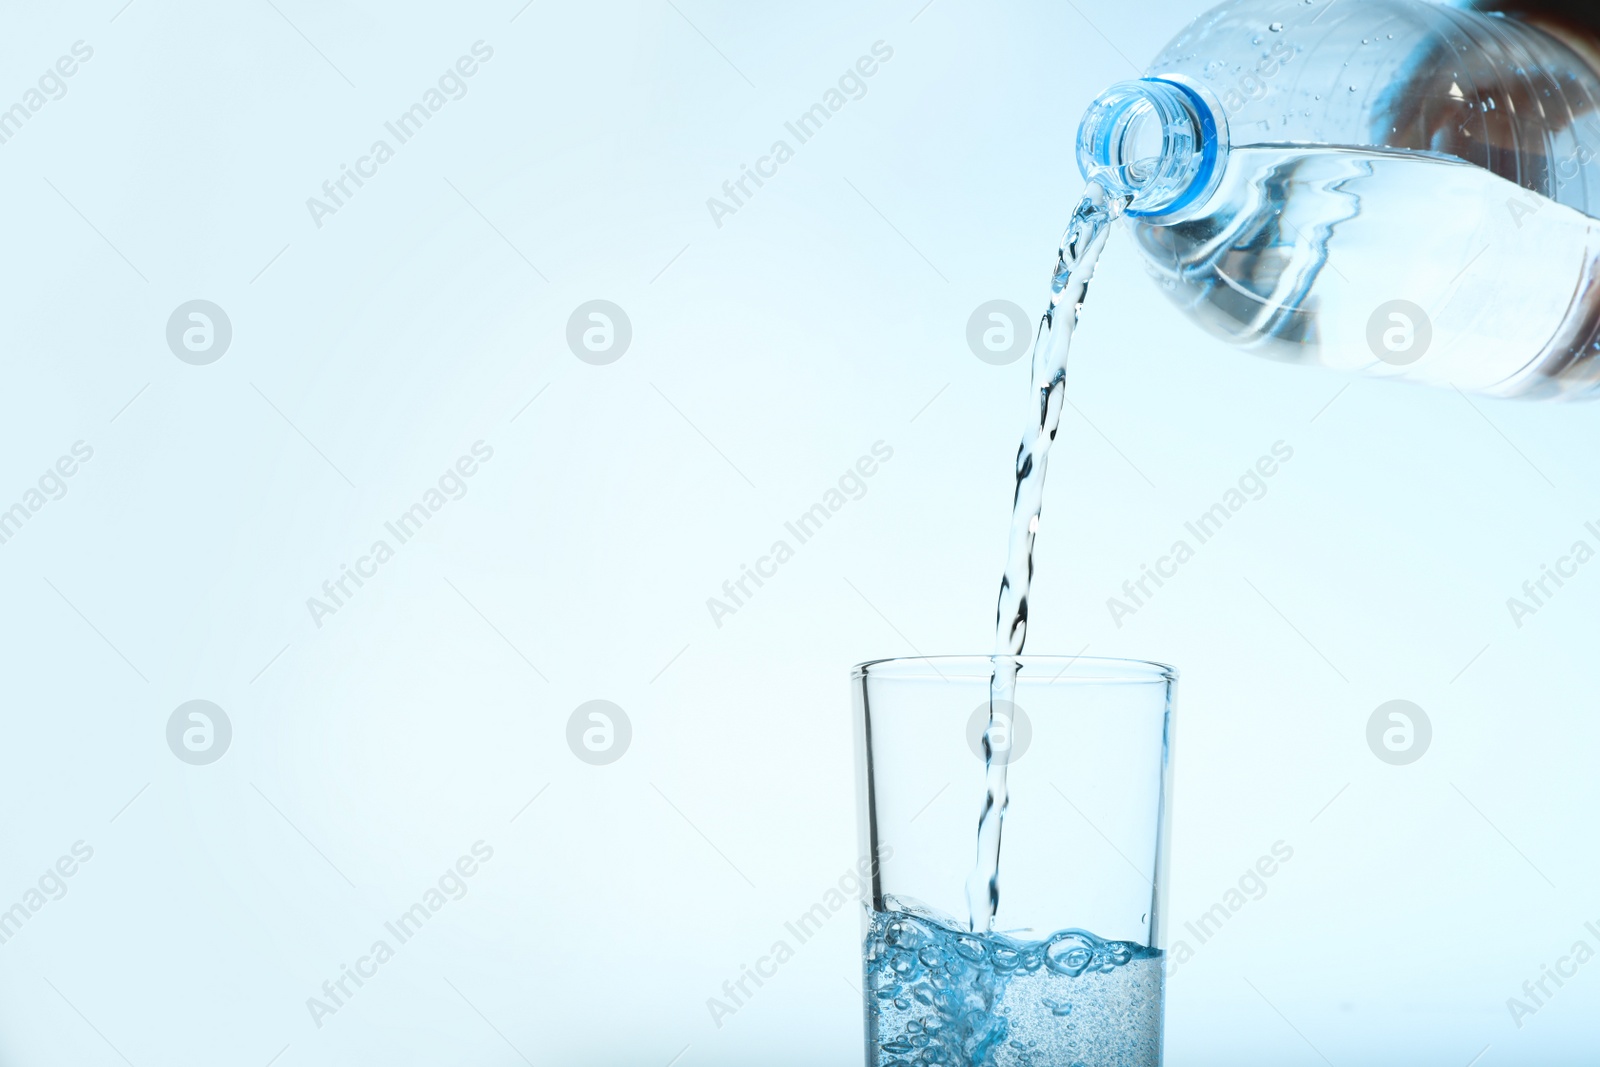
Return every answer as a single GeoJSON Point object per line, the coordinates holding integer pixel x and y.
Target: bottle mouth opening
{"type": "Point", "coordinates": [1156, 142]}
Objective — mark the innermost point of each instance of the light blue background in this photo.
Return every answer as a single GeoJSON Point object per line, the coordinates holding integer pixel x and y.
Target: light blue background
{"type": "Point", "coordinates": [768, 354]}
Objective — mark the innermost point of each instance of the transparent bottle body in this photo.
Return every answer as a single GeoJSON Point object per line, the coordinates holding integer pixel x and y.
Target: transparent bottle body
{"type": "Point", "coordinates": [1408, 190]}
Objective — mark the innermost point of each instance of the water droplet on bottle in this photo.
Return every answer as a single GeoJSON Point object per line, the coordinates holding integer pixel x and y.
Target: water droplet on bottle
{"type": "Point", "coordinates": [1352, 88]}
{"type": "Point", "coordinates": [1256, 40]}
{"type": "Point", "coordinates": [1276, 27]}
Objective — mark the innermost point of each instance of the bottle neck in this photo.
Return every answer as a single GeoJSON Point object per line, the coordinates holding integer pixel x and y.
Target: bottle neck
{"type": "Point", "coordinates": [1156, 142]}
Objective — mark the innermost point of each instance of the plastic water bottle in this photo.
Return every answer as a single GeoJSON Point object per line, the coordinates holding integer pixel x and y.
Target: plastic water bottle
{"type": "Point", "coordinates": [1395, 187]}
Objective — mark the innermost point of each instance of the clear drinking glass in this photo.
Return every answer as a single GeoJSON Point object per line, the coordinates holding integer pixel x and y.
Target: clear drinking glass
{"type": "Point", "coordinates": [1072, 971]}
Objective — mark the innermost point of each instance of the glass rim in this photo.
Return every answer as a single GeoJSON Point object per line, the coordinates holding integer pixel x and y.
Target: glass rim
{"type": "Point", "coordinates": [1068, 669]}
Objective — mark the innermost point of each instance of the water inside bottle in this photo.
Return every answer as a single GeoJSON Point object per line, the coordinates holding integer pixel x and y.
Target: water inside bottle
{"type": "Point", "coordinates": [1396, 264]}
